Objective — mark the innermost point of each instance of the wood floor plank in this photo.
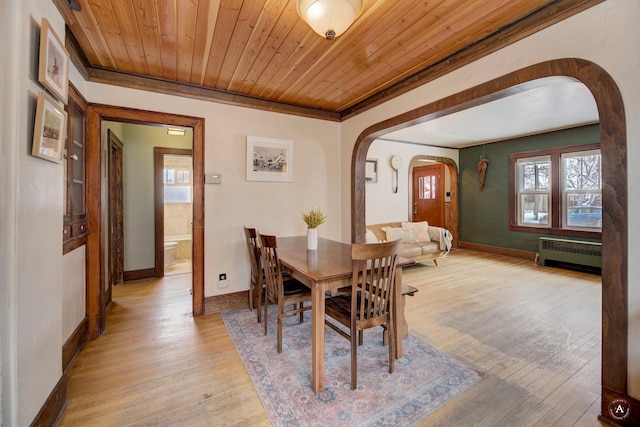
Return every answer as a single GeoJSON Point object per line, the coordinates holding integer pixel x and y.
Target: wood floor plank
{"type": "Point", "coordinates": [534, 332]}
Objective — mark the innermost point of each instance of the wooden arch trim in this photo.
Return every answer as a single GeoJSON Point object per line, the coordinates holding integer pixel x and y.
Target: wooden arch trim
{"type": "Point", "coordinates": [613, 142]}
{"type": "Point", "coordinates": [96, 188]}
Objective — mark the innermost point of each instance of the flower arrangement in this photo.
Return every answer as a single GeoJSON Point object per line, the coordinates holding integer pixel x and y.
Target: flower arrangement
{"type": "Point", "coordinates": [314, 217]}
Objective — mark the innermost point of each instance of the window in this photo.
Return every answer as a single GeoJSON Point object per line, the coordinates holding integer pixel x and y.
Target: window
{"type": "Point", "coordinates": [557, 191]}
{"type": "Point", "coordinates": [177, 188]}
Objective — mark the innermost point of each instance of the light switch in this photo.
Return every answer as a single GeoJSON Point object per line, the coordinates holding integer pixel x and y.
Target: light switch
{"type": "Point", "coordinates": [212, 178]}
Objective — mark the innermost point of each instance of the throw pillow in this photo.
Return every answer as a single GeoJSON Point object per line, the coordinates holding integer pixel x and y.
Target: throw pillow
{"type": "Point", "coordinates": [418, 231]}
{"type": "Point", "coordinates": [395, 233]}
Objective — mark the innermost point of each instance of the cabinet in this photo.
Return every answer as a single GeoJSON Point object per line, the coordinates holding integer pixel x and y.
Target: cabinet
{"type": "Point", "coordinates": [74, 229]}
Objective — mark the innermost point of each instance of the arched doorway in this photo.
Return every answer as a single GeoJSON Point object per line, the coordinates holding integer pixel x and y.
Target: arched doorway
{"type": "Point", "coordinates": [613, 142]}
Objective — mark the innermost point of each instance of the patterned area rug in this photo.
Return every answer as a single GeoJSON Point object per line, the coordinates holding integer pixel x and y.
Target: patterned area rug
{"type": "Point", "coordinates": [424, 378]}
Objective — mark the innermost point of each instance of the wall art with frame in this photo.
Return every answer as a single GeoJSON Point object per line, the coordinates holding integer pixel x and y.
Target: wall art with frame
{"type": "Point", "coordinates": [269, 159]}
{"type": "Point", "coordinates": [49, 130]}
{"type": "Point", "coordinates": [53, 69]}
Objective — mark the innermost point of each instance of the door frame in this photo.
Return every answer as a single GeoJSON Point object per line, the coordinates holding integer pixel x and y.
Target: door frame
{"type": "Point", "coordinates": [97, 186]}
{"type": "Point", "coordinates": [613, 143]}
{"type": "Point", "coordinates": [158, 201]}
{"type": "Point", "coordinates": [116, 236]}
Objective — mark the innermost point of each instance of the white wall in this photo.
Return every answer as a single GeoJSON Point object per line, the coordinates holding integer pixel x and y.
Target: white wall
{"type": "Point", "coordinates": [605, 34]}
{"type": "Point", "coordinates": [382, 204]}
{"type": "Point", "coordinates": [271, 207]}
{"type": "Point", "coordinates": [73, 291]}
{"type": "Point", "coordinates": [32, 218]}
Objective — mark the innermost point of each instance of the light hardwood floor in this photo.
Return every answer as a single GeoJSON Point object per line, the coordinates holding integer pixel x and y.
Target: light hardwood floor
{"type": "Point", "coordinates": [535, 333]}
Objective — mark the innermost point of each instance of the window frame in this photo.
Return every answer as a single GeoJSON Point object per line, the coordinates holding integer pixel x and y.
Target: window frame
{"type": "Point", "coordinates": [555, 213]}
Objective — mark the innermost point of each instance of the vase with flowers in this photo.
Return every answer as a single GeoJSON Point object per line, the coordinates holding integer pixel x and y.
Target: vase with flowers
{"type": "Point", "coordinates": [313, 218]}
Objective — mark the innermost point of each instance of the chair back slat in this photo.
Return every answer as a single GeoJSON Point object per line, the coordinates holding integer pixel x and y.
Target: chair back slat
{"type": "Point", "coordinates": [271, 266]}
{"type": "Point", "coordinates": [251, 237]}
{"type": "Point", "coordinates": [374, 264]}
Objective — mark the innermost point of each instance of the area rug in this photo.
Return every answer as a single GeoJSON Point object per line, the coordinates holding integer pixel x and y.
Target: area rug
{"type": "Point", "coordinates": [423, 380]}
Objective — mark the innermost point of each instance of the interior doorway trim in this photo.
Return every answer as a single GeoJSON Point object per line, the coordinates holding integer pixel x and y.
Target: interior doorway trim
{"type": "Point", "coordinates": [158, 201]}
{"type": "Point", "coordinates": [97, 188]}
{"type": "Point", "coordinates": [613, 143]}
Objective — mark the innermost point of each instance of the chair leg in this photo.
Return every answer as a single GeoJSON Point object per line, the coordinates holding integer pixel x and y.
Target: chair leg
{"type": "Point", "coordinates": [354, 361]}
{"type": "Point", "coordinates": [300, 307]}
{"type": "Point", "coordinates": [266, 313]}
{"type": "Point", "coordinates": [259, 306]}
{"type": "Point", "coordinates": [279, 331]}
{"type": "Point", "coordinates": [251, 294]}
{"type": "Point", "coordinates": [392, 344]}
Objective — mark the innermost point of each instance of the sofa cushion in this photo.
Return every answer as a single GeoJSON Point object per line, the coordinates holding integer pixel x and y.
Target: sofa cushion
{"type": "Point", "coordinates": [428, 247]}
{"type": "Point", "coordinates": [393, 233]}
{"type": "Point", "coordinates": [417, 231]}
{"type": "Point", "coordinates": [409, 250]}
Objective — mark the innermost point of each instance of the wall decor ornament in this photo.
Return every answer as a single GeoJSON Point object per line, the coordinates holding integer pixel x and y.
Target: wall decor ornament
{"type": "Point", "coordinates": [49, 129]}
{"type": "Point", "coordinates": [269, 159]}
{"type": "Point", "coordinates": [53, 69]}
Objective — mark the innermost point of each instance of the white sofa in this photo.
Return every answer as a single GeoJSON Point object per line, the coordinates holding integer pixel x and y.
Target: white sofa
{"type": "Point", "coordinates": [420, 241]}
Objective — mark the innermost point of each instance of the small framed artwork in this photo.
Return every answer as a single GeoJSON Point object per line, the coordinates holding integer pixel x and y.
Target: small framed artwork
{"type": "Point", "coordinates": [371, 170]}
{"type": "Point", "coordinates": [49, 129]}
{"type": "Point", "coordinates": [53, 70]}
{"type": "Point", "coordinates": [269, 159]}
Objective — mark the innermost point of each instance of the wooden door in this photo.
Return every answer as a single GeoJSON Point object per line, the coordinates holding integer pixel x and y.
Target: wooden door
{"type": "Point", "coordinates": [428, 194]}
{"type": "Point", "coordinates": [116, 211]}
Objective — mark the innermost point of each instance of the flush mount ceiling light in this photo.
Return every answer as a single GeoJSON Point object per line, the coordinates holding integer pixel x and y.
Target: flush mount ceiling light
{"type": "Point", "coordinates": [176, 131]}
{"type": "Point", "coordinates": [329, 18]}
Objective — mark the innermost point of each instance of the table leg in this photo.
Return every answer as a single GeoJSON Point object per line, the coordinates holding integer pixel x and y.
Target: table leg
{"type": "Point", "coordinates": [398, 311]}
{"type": "Point", "coordinates": [317, 338]}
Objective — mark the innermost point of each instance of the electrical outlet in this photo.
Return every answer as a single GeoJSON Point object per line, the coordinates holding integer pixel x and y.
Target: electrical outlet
{"type": "Point", "coordinates": [222, 281]}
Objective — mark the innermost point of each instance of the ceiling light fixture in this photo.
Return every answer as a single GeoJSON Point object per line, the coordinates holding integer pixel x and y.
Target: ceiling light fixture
{"type": "Point", "coordinates": [329, 18]}
{"type": "Point", "coordinates": [175, 131]}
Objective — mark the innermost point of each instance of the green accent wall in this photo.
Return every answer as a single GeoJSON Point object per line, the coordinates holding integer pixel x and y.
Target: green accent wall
{"type": "Point", "coordinates": [484, 216]}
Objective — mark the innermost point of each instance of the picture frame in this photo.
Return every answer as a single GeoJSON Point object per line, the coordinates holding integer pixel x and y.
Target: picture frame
{"type": "Point", "coordinates": [49, 130]}
{"type": "Point", "coordinates": [53, 67]}
{"type": "Point", "coordinates": [371, 170]}
{"type": "Point", "coordinates": [269, 159]}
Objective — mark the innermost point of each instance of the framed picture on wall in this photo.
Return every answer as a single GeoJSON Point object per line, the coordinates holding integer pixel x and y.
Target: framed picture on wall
{"type": "Point", "coordinates": [371, 170]}
{"type": "Point", "coordinates": [49, 130]}
{"type": "Point", "coordinates": [53, 70]}
{"type": "Point", "coordinates": [269, 159]}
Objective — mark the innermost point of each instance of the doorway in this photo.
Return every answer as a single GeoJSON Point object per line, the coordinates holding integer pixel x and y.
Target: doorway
{"type": "Point", "coordinates": [173, 210]}
{"type": "Point", "coordinates": [97, 216]}
{"type": "Point", "coordinates": [613, 141]}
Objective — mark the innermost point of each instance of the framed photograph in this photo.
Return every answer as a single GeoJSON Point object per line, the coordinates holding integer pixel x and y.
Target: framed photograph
{"type": "Point", "coordinates": [269, 159]}
{"type": "Point", "coordinates": [53, 71]}
{"type": "Point", "coordinates": [49, 130]}
{"type": "Point", "coordinates": [371, 170]}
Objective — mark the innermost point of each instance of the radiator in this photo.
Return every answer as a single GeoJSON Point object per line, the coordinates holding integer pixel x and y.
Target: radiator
{"type": "Point", "coordinates": [570, 251]}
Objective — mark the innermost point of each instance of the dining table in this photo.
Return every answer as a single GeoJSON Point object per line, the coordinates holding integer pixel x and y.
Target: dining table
{"type": "Point", "coordinates": [327, 269]}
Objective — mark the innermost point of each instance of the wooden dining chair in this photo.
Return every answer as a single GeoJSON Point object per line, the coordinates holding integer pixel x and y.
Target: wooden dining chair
{"type": "Point", "coordinates": [281, 292]}
{"type": "Point", "coordinates": [371, 299]}
{"type": "Point", "coordinates": [256, 279]}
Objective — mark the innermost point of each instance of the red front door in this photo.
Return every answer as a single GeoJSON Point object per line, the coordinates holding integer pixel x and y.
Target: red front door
{"type": "Point", "coordinates": [428, 194]}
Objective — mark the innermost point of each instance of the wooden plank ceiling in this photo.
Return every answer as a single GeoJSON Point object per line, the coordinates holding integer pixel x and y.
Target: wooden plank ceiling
{"type": "Point", "coordinates": [260, 53]}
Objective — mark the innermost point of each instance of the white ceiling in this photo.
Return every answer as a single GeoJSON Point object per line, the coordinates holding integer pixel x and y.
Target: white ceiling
{"type": "Point", "coordinates": [552, 105]}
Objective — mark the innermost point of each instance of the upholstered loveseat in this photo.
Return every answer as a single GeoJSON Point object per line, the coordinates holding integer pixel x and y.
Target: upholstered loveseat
{"type": "Point", "coordinates": [419, 241]}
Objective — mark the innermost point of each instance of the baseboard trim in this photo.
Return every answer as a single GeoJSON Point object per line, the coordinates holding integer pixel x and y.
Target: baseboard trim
{"type": "Point", "coordinates": [146, 273]}
{"type": "Point", "coordinates": [515, 253]}
{"type": "Point", "coordinates": [74, 343]}
{"type": "Point", "coordinates": [619, 409]}
{"type": "Point", "coordinates": [232, 301]}
{"type": "Point", "coordinates": [53, 407]}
